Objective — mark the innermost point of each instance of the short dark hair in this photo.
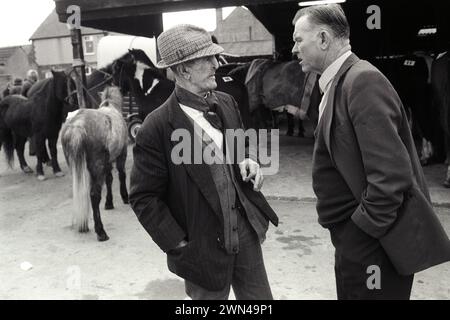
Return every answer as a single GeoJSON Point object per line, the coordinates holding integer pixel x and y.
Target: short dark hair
{"type": "Point", "coordinates": [330, 15]}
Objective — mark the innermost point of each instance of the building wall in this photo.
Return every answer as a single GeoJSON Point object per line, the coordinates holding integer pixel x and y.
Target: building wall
{"type": "Point", "coordinates": [58, 51]}
{"type": "Point", "coordinates": [16, 66]}
{"type": "Point", "coordinates": [241, 27]}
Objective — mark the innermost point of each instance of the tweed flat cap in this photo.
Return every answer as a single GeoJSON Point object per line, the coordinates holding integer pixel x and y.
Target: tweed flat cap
{"type": "Point", "coordinates": [183, 43]}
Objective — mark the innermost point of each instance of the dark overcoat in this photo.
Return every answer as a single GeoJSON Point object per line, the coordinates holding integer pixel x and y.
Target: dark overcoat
{"type": "Point", "coordinates": [180, 201]}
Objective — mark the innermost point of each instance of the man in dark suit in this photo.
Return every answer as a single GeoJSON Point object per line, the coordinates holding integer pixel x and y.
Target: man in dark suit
{"type": "Point", "coordinates": [371, 191]}
{"type": "Point", "coordinates": [209, 217]}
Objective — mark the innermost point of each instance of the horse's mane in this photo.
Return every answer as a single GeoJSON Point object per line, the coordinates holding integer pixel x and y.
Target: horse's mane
{"type": "Point", "coordinates": [111, 96]}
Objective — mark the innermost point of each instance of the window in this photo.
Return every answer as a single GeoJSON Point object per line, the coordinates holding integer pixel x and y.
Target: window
{"type": "Point", "coordinates": [88, 45]}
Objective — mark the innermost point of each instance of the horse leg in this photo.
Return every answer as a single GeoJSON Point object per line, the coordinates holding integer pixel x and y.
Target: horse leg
{"type": "Point", "coordinates": [447, 178]}
{"type": "Point", "coordinates": [40, 147]}
{"type": "Point", "coordinates": [32, 146]}
{"type": "Point", "coordinates": [301, 129]}
{"type": "Point", "coordinates": [120, 163]}
{"type": "Point", "coordinates": [290, 123]}
{"type": "Point", "coordinates": [20, 149]}
{"type": "Point", "coordinates": [96, 196]}
{"type": "Point", "coordinates": [46, 158]}
{"type": "Point", "coordinates": [52, 145]}
{"type": "Point", "coordinates": [109, 179]}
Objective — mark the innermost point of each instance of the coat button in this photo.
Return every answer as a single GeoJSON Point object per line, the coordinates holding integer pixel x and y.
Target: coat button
{"type": "Point", "coordinates": [235, 228]}
{"type": "Point", "coordinates": [235, 249]}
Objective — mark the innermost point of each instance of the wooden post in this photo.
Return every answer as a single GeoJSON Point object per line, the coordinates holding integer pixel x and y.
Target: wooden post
{"type": "Point", "coordinates": [79, 66]}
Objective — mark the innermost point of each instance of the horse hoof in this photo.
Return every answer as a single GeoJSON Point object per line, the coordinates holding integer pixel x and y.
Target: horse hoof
{"type": "Point", "coordinates": [125, 201]}
{"type": "Point", "coordinates": [447, 183]}
{"type": "Point", "coordinates": [41, 177]}
{"type": "Point", "coordinates": [102, 237]}
{"type": "Point", "coordinates": [59, 174]}
{"type": "Point", "coordinates": [109, 206]}
{"type": "Point", "coordinates": [27, 170]}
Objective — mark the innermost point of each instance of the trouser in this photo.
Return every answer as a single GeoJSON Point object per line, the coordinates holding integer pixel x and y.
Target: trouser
{"type": "Point", "coordinates": [362, 268]}
{"type": "Point", "coordinates": [248, 276]}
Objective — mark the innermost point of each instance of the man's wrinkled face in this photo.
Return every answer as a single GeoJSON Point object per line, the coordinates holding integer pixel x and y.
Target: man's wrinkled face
{"type": "Point", "coordinates": [202, 73]}
{"type": "Point", "coordinates": [307, 45]}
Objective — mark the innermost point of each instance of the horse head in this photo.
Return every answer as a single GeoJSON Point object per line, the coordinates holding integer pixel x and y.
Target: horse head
{"type": "Point", "coordinates": [65, 92]}
{"type": "Point", "coordinates": [123, 70]}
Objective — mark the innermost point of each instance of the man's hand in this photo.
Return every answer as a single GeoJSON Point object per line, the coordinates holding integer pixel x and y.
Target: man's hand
{"type": "Point", "coordinates": [250, 170]}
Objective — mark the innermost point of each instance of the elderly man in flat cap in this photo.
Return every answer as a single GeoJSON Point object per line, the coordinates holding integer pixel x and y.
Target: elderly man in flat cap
{"type": "Point", "coordinates": [210, 217]}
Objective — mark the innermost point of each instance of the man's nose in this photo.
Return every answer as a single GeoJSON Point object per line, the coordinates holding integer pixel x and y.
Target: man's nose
{"type": "Point", "coordinates": [295, 51]}
{"type": "Point", "coordinates": [214, 62]}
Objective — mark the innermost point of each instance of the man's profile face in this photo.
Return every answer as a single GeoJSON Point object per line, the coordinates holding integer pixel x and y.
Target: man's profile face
{"type": "Point", "coordinates": [306, 46]}
{"type": "Point", "coordinates": [202, 72]}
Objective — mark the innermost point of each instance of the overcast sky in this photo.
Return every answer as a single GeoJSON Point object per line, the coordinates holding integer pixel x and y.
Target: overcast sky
{"type": "Point", "coordinates": [20, 18]}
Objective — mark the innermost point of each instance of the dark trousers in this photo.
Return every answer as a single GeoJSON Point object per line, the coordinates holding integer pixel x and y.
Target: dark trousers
{"type": "Point", "coordinates": [362, 268]}
{"type": "Point", "coordinates": [248, 276]}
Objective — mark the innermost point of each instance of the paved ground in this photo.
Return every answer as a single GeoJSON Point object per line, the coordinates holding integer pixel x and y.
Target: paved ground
{"type": "Point", "coordinates": [35, 220]}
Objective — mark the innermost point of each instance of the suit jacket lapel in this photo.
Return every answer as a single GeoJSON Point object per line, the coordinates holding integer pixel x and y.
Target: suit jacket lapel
{"type": "Point", "coordinates": [199, 173]}
{"type": "Point", "coordinates": [329, 108]}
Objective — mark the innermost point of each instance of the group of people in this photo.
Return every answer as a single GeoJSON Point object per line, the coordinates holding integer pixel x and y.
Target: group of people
{"type": "Point", "coordinates": [21, 87]}
{"type": "Point", "coordinates": [211, 219]}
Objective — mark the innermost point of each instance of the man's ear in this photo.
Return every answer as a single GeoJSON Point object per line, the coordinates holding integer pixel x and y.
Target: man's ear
{"type": "Point", "coordinates": [324, 39]}
{"type": "Point", "coordinates": [183, 70]}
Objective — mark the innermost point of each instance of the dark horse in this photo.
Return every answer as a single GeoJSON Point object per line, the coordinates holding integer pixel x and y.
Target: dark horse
{"type": "Point", "coordinates": [15, 128]}
{"type": "Point", "coordinates": [273, 84]}
{"type": "Point", "coordinates": [151, 87]}
{"type": "Point", "coordinates": [440, 84]}
{"type": "Point", "coordinates": [92, 140]}
{"type": "Point", "coordinates": [40, 117]}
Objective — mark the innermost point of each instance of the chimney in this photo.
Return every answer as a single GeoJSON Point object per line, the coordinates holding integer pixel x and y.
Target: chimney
{"type": "Point", "coordinates": [219, 17]}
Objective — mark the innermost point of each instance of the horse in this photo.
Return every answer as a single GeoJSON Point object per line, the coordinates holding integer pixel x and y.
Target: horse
{"type": "Point", "coordinates": [15, 128]}
{"type": "Point", "coordinates": [92, 139]}
{"type": "Point", "coordinates": [409, 74]}
{"type": "Point", "coordinates": [151, 87]}
{"type": "Point", "coordinates": [273, 84]}
{"type": "Point", "coordinates": [38, 117]}
{"type": "Point", "coordinates": [440, 85]}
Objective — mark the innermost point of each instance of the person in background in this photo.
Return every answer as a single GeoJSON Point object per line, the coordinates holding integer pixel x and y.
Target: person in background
{"type": "Point", "coordinates": [32, 77]}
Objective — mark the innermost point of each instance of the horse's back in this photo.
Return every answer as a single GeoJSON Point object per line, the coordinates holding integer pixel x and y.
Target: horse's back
{"type": "Point", "coordinates": [105, 129]}
{"type": "Point", "coordinates": [38, 86]}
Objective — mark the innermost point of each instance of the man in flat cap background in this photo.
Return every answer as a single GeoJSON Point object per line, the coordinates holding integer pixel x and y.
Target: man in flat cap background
{"type": "Point", "coordinates": [210, 219]}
